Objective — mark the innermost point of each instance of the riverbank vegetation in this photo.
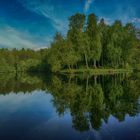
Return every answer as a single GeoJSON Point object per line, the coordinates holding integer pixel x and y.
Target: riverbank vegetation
{"type": "Point", "coordinates": [20, 60]}
{"type": "Point", "coordinates": [94, 44]}
{"type": "Point", "coordinates": [89, 44]}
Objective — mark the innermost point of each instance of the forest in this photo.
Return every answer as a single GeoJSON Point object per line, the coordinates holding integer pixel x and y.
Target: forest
{"type": "Point", "coordinates": [90, 43]}
{"type": "Point", "coordinates": [20, 60]}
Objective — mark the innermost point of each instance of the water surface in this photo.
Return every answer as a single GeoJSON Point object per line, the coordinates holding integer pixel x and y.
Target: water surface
{"type": "Point", "coordinates": [69, 107]}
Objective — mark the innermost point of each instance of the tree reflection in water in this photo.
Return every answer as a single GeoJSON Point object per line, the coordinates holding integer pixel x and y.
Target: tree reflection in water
{"type": "Point", "coordinates": [92, 100]}
{"type": "Point", "coordinates": [89, 99]}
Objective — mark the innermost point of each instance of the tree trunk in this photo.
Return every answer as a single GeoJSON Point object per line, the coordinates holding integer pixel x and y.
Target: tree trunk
{"type": "Point", "coordinates": [94, 63]}
{"type": "Point", "coordinates": [102, 61]}
{"type": "Point", "coordinates": [69, 67]}
{"type": "Point", "coordinates": [86, 61]}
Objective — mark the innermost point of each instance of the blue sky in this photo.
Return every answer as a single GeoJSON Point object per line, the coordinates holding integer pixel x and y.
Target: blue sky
{"type": "Point", "coordinates": [33, 23]}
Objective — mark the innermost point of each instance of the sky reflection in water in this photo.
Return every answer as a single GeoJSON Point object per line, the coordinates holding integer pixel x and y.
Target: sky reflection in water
{"type": "Point", "coordinates": [60, 108]}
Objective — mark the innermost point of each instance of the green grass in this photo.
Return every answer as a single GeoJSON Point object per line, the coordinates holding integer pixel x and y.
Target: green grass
{"type": "Point", "coordinates": [96, 71]}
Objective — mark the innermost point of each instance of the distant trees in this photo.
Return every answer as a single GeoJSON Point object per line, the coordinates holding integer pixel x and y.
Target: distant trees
{"type": "Point", "coordinates": [20, 60]}
{"type": "Point", "coordinates": [91, 44]}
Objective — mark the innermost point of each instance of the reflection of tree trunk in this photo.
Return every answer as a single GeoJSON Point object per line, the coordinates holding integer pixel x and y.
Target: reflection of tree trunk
{"type": "Point", "coordinates": [86, 60]}
{"type": "Point", "coordinates": [16, 70]}
{"type": "Point", "coordinates": [16, 76]}
{"type": "Point", "coordinates": [95, 80]}
{"type": "Point", "coordinates": [119, 61]}
{"type": "Point", "coordinates": [115, 79]}
{"type": "Point", "coordinates": [120, 77]}
{"type": "Point", "coordinates": [70, 79]}
{"type": "Point", "coordinates": [103, 81]}
{"type": "Point", "coordinates": [87, 85]}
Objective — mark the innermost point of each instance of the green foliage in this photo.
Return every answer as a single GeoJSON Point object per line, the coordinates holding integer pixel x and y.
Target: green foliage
{"type": "Point", "coordinates": [88, 44]}
{"type": "Point", "coordinates": [94, 43]}
{"type": "Point", "coordinates": [20, 60]}
{"type": "Point", "coordinates": [94, 38]}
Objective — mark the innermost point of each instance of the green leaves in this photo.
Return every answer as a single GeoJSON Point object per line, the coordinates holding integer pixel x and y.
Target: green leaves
{"type": "Point", "coordinates": [90, 42]}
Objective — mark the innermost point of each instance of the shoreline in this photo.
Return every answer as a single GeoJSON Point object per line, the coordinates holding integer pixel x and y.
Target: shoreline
{"type": "Point", "coordinates": [96, 71]}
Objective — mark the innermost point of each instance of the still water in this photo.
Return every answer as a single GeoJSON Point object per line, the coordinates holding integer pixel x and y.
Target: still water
{"type": "Point", "coordinates": [38, 107]}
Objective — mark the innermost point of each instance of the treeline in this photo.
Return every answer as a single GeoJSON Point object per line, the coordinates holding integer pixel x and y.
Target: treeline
{"type": "Point", "coordinates": [20, 60]}
{"type": "Point", "coordinates": [91, 43]}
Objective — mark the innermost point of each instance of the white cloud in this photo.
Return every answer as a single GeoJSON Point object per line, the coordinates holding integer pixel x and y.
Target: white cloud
{"type": "Point", "coordinates": [87, 5]}
{"type": "Point", "coordinates": [12, 38]}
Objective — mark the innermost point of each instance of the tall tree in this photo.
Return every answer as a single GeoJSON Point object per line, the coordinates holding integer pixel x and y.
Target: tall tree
{"type": "Point", "coordinates": [103, 27]}
{"type": "Point", "coordinates": [94, 38]}
{"type": "Point", "coordinates": [76, 27]}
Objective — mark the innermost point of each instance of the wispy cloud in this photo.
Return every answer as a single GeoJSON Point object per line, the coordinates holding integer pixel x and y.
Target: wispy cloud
{"type": "Point", "coordinates": [48, 10]}
{"type": "Point", "coordinates": [12, 38]}
{"type": "Point", "coordinates": [126, 14]}
{"type": "Point", "coordinates": [87, 5]}
{"type": "Point", "coordinates": [136, 20]}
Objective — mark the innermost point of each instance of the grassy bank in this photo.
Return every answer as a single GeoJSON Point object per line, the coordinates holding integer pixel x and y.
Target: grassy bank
{"type": "Point", "coordinates": [96, 71]}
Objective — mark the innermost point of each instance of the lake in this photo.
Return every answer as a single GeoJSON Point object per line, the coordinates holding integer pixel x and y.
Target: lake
{"type": "Point", "coordinates": [69, 107]}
